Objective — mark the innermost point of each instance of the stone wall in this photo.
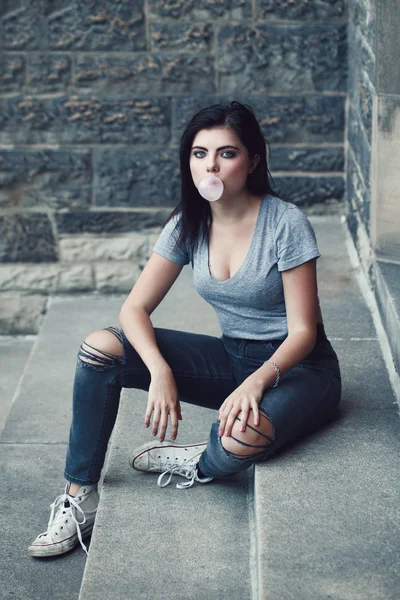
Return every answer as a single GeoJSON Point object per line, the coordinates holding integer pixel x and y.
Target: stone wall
{"type": "Point", "coordinates": [361, 91]}
{"type": "Point", "coordinates": [93, 98]}
{"type": "Point", "coordinates": [373, 178]}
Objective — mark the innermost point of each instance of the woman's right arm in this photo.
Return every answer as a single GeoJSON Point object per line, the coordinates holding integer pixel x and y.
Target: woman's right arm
{"type": "Point", "coordinates": [154, 282]}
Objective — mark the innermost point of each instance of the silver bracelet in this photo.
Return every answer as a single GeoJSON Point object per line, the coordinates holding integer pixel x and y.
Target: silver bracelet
{"type": "Point", "coordinates": [276, 371]}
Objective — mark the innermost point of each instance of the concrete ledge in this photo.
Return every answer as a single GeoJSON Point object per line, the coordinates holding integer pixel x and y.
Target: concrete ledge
{"type": "Point", "coordinates": [327, 513]}
{"type": "Point", "coordinates": [387, 293]}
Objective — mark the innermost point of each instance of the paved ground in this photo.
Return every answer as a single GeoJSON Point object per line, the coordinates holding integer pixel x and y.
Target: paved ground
{"type": "Point", "coordinates": [324, 515]}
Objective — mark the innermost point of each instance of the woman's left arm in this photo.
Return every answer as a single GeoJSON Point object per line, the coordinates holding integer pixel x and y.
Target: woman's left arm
{"type": "Point", "coordinates": [300, 291]}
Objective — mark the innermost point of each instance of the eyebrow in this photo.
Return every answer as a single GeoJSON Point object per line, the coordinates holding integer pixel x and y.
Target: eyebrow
{"type": "Point", "coordinates": [218, 149]}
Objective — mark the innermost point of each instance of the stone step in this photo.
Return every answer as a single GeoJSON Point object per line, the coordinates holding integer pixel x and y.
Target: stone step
{"type": "Point", "coordinates": [37, 412]}
{"type": "Point", "coordinates": [306, 525]}
{"type": "Point", "coordinates": [326, 509]}
{"type": "Point", "coordinates": [168, 543]}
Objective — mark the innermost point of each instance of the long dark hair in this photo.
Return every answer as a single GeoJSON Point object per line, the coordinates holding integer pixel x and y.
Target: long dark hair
{"type": "Point", "coordinates": [196, 212]}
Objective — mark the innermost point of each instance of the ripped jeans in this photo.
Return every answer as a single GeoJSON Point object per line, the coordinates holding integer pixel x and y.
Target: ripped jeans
{"type": "Point", "coordinates": [206, 369]}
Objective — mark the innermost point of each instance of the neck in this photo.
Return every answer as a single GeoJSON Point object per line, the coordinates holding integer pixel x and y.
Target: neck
{"type": "Point", "coordinates": [229, 211]}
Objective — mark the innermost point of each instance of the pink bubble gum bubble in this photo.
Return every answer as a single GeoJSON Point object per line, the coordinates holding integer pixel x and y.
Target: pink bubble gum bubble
{"type": "Point", "coordinates": [211, 188]}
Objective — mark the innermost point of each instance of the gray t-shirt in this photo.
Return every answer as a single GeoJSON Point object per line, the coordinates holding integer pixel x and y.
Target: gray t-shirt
{"type": "Point", "coordinates": [251, 304]}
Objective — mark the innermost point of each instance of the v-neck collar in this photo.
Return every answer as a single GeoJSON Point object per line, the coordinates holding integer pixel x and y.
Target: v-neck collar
{"type": "Point", "coordinates": [247, 257]}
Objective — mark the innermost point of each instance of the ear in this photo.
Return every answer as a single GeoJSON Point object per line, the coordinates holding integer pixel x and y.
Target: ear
{"type": "Point", "coordinates": [254, 162]}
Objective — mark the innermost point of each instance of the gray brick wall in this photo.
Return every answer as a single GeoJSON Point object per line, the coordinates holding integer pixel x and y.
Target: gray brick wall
{"type": "Point", "coordinates": [94, 96]}
{"type": "Point", "coordinates": [361, 89]}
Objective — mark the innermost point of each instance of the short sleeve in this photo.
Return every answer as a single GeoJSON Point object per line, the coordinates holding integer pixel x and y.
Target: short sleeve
{"type": "Point", "coordinates": [295, 240]}
{"type": "Point", "coordinates": [166, 244]}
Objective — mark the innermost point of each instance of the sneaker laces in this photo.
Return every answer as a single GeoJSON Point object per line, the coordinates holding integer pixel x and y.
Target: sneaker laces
{"type": "Point", "coordinates": [190, 472]}
{"type": "Point", "coordinates": [73, 503]}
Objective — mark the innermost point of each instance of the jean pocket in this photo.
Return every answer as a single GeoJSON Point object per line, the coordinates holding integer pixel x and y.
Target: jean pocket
{"type": "Point", "coordinates": [273, 345]}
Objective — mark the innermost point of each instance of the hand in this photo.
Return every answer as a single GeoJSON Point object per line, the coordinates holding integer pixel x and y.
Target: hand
{"type": "Point", "coordinates": [163, 400]}
{"type": "Point", "coordinates": [244, 398]}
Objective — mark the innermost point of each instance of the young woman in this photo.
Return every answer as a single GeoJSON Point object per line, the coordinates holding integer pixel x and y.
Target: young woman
{"type": "Point", "coordinates": [272, 375]}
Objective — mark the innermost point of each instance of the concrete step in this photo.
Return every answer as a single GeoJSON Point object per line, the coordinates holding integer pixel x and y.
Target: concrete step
{"type": "Point", "coordinates": [326, 509]}
{"type": "Point", "coordinates": [37, 413]}
{"type": "Point", "coordinates": [168, 543]}
{"type": "Point", "coordinates": [14, 353]}
{"type": "Point", "coordinates": [307, 525]}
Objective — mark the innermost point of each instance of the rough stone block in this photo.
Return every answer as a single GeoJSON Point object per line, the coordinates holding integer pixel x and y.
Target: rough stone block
{"type": "Point", "coordinates": [301, 10]}
{"type": "Point", "coordinates": [12, 72]}
{"type": "Point", "coordinates": [358, 140]}
{"type": "Point", "coordinates": [87, 26]}
{"type": "Point", "coordinates": [28, 277]}
{"type": "Point", "coordinates": [185, 107]}
{"type": "Point", "coordinates": [361, 56]}
{"type": "Point", "coordinates": [49, 72]}
{"type": "Point", "coordinates": [136, 121]}
{"type": "Point", "coordinates": [127, 177]}
{"type": "Point", "coordinates": [361, 79]}
{"type": "Point", "coordinates": [25, 120]}
{"type": "Point", "coordinates": [26, 238]}
{"type": "Point", "coordinates": [22, 26]}
{"type": "Point", "coordinates": [284, 119]}
{"type": "Point", "coordinates": [21, 314]}
{"type": "Point", "coordinates": [306, 159]}
{"type": "Point", "coordinates": [365, 107]}
{"type": "Point", "coordinates": [108, 221]}
{"type": "Point", "coordinates": [49, 178]}
{"type": "Point", "coordinates": [83, 120]}
{"type": "Point", "coordinates": [269, 58]}
{"type": "Point", "coordinates": [75, 278]}
{"type": "Point", "coordinates": [182, 36]}
{"type": "Point", "coordinates": [358, 196]}
{"type": "Point", "coordinates": [116, 276]}
{"type": "Point", "coordinates": [167, 73]}
{"type": "Point", "coordinates": [223, 10]}
{"type": "Point", "coordinates": [362, 16]}
{"type": "Point", "coordinates": [308, 191]}
{"type": "Point", "coordinates": [89, 248]}
{"type": "Point", "coordinates": [46, 278]}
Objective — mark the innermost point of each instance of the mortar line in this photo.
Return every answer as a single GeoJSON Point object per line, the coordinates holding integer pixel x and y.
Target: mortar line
{"type": "Point", "coordinates": [372, 305]}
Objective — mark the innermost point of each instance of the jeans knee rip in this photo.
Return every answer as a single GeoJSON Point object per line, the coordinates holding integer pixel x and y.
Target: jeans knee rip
{"type": "Point", "coordinates": [102, 361]}
{"type": "Point", "coordinates": [264, 448]}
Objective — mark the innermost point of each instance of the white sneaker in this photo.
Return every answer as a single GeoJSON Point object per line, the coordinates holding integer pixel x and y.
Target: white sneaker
{"type": "Point", "coordinates": [71, 519]}
{"type": "Point", "coordinates": [170, 458]}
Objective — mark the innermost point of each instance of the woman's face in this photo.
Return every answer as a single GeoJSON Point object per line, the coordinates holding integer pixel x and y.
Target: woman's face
{"type": "Point", "coordinates": [218, 151]}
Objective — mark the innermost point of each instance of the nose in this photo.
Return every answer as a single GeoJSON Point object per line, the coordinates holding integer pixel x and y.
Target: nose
{"type": "Point", "coordinates": [212, 166]}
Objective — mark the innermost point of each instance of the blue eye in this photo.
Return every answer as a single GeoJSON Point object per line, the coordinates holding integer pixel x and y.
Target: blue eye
{"type": "Point", "coordinates": [229, 153]}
